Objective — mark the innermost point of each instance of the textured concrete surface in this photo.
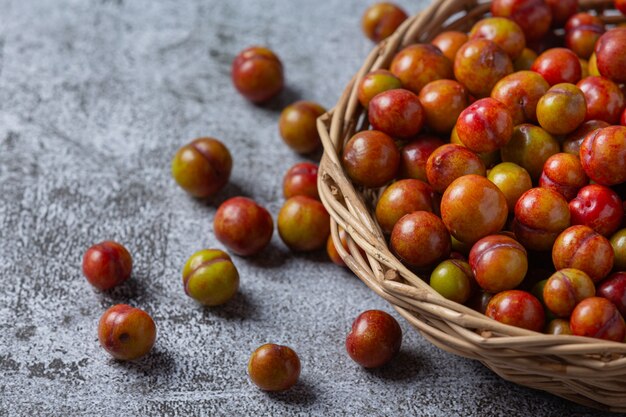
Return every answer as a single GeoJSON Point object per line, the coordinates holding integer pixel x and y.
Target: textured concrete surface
{"type": "Point", "coordinates": [95, 97]}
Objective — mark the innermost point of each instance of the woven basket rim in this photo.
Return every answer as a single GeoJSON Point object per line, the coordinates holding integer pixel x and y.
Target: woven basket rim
{"type": "Point", "coordinates": [447, 324]}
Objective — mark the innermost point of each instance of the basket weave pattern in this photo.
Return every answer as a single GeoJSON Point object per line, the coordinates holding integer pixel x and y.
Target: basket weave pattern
{"type": "Point", "coordinates": [584, 370]}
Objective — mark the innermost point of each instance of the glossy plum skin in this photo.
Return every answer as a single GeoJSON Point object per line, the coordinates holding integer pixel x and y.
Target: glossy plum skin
{"type": "Point", "coordinates": [558, 327]}
{"type": "Point", "coordinates": [582, 19]}
{"type": "Point", "coordinates": [257, 74]}
{"type": "Point", "coordinates": [520, 92]}
{"type": "Point", "coordinates": [303, 224]}
{"type": "Point", "coordinates": [420, 239]}
{"type": "Point", "coordinates": [530, 147]}
{"type": "Point", "coordinates": [498, 262]}
{"type": "Point", "coordinates": [574, 140]}
{"type": "Point", "coordinates": [558, 65]}
{"type": "Point", "coordinates": [565, 289]}
{"type": "Point", "coordinates": [605, 100]}
{"type": "Point", "coordinates": [583, 248]}
{"type": "Point", "coordinates": [449, 162]}
{"type": "Point", "coordinates": [107, 264]}
{"type": "Point", "coordinates": [582, 39]}
{"type": "Point", "coordinates": [517, 308]}
{"type": "Point", "coordinates": [453, 279]}
{"type": "Point", "coordinates": [374, 83]}
{"type": "Point", "coordinates": [298, 126]}
{"type": "Point", "coordinates": [274, 367]}
{"type": "Point", "coordinates": [541, 215]}
{"type": "Point", "coordinates": [512, 180]}
{"type": "Point", "coordinates": [533, 16]}
{"type": "Point", "coordinates": [564, 174]}
{"type": "Point", "coordinates": [126, 333]}
{"type": "Point", "coordinates": [603, 155]}
{"type": "Point", "coordinates": [381, 19]}
{"type": "Point", "coordinates": [598, 207]}
{"type": "Point", "coordinates": [202, 167]}
{"type": "Point", "coordinates": [562, 109]}
{"type": "Point", "coordinates": [301, 179]}
{"type": "Point", "coordinates": [210, 277]}
{"type": "Point", "coordinates": [598, 317]}
{"type": "Point", "coordinates": [415, 154]}
{"type": "Point", "coordinates": [503, 32]}
{"type": "Point", "coordinates": [485, 126]}
{"type": "Point", "coordinates": [374, 339]}
{"type": "Point", "coordinates": [618, 242]}
{"type": "Point", "coordinates": [418, 64]}
{"type": "Point", "coordinates": [449, 42]}
{"type": "Point", "coordinates": [473, 207]}
{"type": "Point", "coordinates": [480, 64]}
{"type": "Point", "coordinates": [611, 55]}
{"type": "Point", "coordinates": [243, 226]}
{"type": "Point", "coordinates": [401, 198]}
{"type": "Point", "coordinates": [371, 158]}
{"type": "Point", "coordinates": [443, 94]}
{"type": "Point", "coordinates": [614, 289]}
{"type": "Point", "coordinates": [397, 113]}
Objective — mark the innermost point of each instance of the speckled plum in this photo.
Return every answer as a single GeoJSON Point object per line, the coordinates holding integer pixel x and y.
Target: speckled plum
{"type": "Point", "coordinates": [564, 174]}
{"type": "Point", "coordinates": [420, 239]}
{"type": "Point", "coordinates": [541, 215]}
{"type": "Point", "coordinates": [498, 262]}
{"type": "Point", "coordinates": [401, 198]}
{"type": "Point", "coordinates": [562, 109]}
{"type": "Point", "coordinates": [598, 317]}
{"type": "Point", "coordinates": [126, 332]}
{"type": "Point", "coordinates": [472, 207]}
{"type": "Point", "coordinates": [210, 277]}
{"type": "Point", "coordinates": [449, 162]}
{"type": "Point", "coordinates": [503, 32]}
{"type": "Point", "coordinates": [565, 289]}
{"type": "Point", "coordinates": [257, 74]}
{"type": "Point", "coordinates": [604, 99]}
{"type": "Point", "coordinates": [374, 83]}
{"type": "Point", "coordinates": [380, 20]}
{"type": "Point", "coordinates": [603, 155]}
{"type": "Point", "coordinates": [517, 308]}
{"type": "Point", "coordinates": [397, 113]}
{"type": "Point", "coordinates": [512, 180]}
{"type": "Point", "coordinates": [443, 94]}
{"type": "Point", "coordinates": [480, 64]}
{"type": "Point", "coordinates": [303, 224]}
{"type": "Point", "coordinates": [371, 158]}
{"type": "Point", "coordinates": [485, 126]}
{"type": "Point", "coordinates": [243, 226]}
{"type": "Point", "coordinates": [418, 64]}
{"type": "Point", "coordinates": [520, 92]}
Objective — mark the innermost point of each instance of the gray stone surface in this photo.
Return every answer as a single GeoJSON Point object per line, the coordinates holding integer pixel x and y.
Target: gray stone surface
{"type": "Point", "coordinates": [95, 97]}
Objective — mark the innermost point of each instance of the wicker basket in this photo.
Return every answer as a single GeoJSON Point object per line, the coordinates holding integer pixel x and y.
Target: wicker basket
{"type": "Point", "coordinates": [584, 370]}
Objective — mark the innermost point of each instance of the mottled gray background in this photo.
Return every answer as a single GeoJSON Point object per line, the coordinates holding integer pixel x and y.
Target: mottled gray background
{"type": "Point", "coordinates": [95, 97]}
